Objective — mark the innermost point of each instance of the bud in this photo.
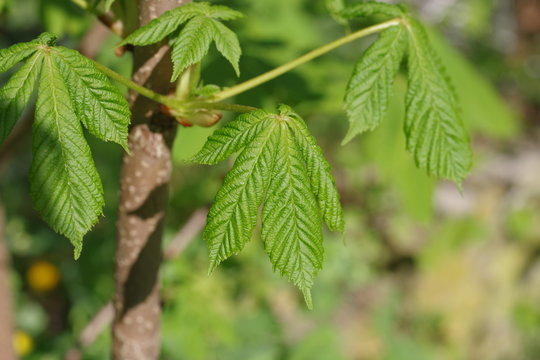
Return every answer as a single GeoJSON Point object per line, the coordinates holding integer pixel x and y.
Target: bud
{"type": "Point", "coordinates": [202, 117]}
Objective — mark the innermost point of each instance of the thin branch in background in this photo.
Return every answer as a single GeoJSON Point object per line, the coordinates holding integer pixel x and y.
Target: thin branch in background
{"type": "Point", "coordinates": [104, 317]}
{"type": "Point", "coordinates": [188, 232]}
{"type": "Point", "coordinates": [108, 19]}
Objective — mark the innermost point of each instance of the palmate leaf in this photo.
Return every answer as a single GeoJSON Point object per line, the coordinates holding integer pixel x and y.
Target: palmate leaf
{"type": "Point", "coordinates": [191, 44]}
{"type": "Point", "coordinates": [281, 167]}
{"type": "Point", "coordinates": [64, 184]}
{"type": "Point", "coordinates": [433, 125]}
{"type": "Point", "coordinates": [371, 83]}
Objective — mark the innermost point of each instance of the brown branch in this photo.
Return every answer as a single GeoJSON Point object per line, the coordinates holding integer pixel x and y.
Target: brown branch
{"type": "Point", "coordinates": [105, 315]}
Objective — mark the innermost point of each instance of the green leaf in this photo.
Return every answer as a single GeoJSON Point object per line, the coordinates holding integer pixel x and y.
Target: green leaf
{"type": "Point", "coordinates": [232, 137]}
{"type": "Point", "coordinates": [281, 166]}
{"type": "Point", "coordinates": [192, 44]}
{"type": "Point", "coordinates": [233, 216]}
{"type": "Point", "coordinates": [64, 184]}
{"type": "Point", "coordinates": [223, 13]}
{"type": "Point", "coordinates": [291, 220]}
{"type": "Point", "coordinates": [371, 84]}
{"type": "Point", "coordinates": [319, 172]}
{"type": "Point", "coordinates": [16, 93]}
{"type": "Point", "coordinates": [370, 8]}
{"type": "Point", "coordinates": [159, 28]}
{"type": "Point", "coordinates": [433, 126]}
{"type": "Point", "coordinates": [227, 44]}
{"type": "Point", "coordinates": [15, 53]}
{"type": "Point", "coordinates": [494, 118]}
{"type": "Point", "coordinates": [97, 102]}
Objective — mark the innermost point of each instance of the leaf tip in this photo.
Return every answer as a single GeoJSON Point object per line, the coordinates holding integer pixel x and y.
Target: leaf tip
{"type": "Point", "coordinates": [77, 249]}
{"type": "Point", "coordinates": [347, 139]}
{"type": "Point", "coordinates": [307, 298]}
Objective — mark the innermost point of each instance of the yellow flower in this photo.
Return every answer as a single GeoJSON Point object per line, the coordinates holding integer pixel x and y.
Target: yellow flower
{"type": "Point", "coordinates": [43, 276]}
{"type": "Point", "coordinates": [22, 343]}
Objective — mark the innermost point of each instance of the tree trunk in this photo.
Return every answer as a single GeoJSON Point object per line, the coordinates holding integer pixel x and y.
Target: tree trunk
{"type": "Point", "coordinates": [6, 308]}
{"type": "Point", "coordinates": [143, 201]}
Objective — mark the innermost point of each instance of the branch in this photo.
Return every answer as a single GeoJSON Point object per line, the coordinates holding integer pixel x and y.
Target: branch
{"type": "Point", "coordinates": [105, 315]}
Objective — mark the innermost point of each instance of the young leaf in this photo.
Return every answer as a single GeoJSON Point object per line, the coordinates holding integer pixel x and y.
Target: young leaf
{"type": "Point", "coordinates": [98, 103]}
{"type": "Point", "coordinates": [16, 93]}
{"type": "Point", "coordinates": [64, 184]}
{"type": "Point", "coordinates": [281, 165]}
{"type": "Point", "coordinates": [192, 44]}
{"type": "Point", "coordinates": [371, 83]}
{"type": "Point", "coordinates": [433, 126]}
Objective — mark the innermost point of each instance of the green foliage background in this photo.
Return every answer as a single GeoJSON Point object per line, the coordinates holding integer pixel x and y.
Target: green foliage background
{"type": "Point", "coordinates": [422, 272]}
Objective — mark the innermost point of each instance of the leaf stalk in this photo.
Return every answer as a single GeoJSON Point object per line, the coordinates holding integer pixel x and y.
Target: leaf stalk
{"type": "Point", "coordinates": [272, 74]}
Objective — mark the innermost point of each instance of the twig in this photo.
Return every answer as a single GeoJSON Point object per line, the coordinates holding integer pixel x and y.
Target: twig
{"type": "Point", "coordinates": [105, 315]}
{"type": "Point", "coordinates": [188, 232]}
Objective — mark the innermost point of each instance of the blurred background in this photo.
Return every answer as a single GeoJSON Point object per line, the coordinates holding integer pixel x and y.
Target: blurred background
{"type": "Point", "coordinates": [422, 271]}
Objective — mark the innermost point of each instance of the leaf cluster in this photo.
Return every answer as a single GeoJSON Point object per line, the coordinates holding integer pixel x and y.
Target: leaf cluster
{"type": "Point", "coordinates": [202, 26]}
{"type": "Point", "coordinates": [433, 127]}
{"type": "Point", "coordinates": [281, 167]}
{"type": "Point", "coordinates": [64, 184]}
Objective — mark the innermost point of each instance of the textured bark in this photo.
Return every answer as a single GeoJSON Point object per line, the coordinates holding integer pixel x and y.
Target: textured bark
{"type": "Point", "coordinates": [143, 201]}
{"type": "Point", "coordinates": [6, 309]}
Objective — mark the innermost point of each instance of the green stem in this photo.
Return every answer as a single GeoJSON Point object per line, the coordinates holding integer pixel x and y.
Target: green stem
{"type": "Point", "coordinates": [174, 104]}
{"type": "Point", "coordinates": [135, 87]}
{"type": "Point", "coordinates": [219, 106]}
{"type": "Point", "coordinates": [256, 81]}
